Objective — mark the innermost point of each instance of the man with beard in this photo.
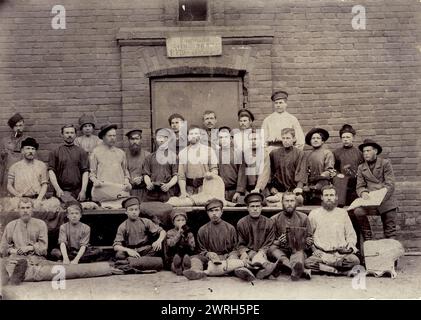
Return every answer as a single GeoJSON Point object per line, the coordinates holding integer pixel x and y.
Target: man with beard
{"type": "Point", "coordinates": [68, 168]}
{"type": "Point", "coordinates": [232, 173]}
{"type": "Point", "coordinates": [347, 160]}
{"type": "Point", "coordinates": [109, 166]}
{"type": "Point", "coordinates": [28, 177]}
{"type": "Point", "coordinates": [290, 226]}
{"type": "Point", "coordinates": [256, 234]}
{"type": "Point", "coordinates": [334, 237]}
{"type": "Point", "coordinates": [160, 169]}
{"type": "Point", "coordinates": [24, 240]}
{"type": "Point", "coordinates": [209, 125]}
{"type": "Point", "coordinates": [10, 148]}
{"type": "Point", "coordinates": [374, 174]}
{"type": "Point", "coordinates": [217, 242]}
{"type": "Point", "coordinates": [196, 162]}
{"type": "Point", "coordinates": [136, 156]}
{"type": "Point", "coordinates": [178, 125]}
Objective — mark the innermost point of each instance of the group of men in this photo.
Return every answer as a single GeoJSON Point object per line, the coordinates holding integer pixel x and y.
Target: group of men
{"type": "Point", "coordinates": [268, 161]}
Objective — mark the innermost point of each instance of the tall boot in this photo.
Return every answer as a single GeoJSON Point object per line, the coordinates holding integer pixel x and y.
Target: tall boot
{"type": "Point", "coordinates": [18, 274]}
{"type": "Point", "coordinates": [297, 271]}
{"type": "Point", "coordinates": [196, 271]}
{"type": "Point", "coordinates": [283, 265]}
{"type": "Point", "coordinates": [364, 224]}
{"type": "Point", "coordinates": [267, 270]}
{"type": "Point", "coordinates": [176, 265]}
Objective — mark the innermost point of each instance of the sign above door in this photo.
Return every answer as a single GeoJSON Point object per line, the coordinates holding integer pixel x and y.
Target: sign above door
{"type": "Point", "coordinates": [178, 47]}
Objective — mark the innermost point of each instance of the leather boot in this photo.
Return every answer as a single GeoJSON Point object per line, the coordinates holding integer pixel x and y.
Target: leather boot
{"type": "Point", "coordinates": [176, 265]}
{"type": "Point", "coordinates": [267, 270]}
{"type": "Point", "coordinates": [283, 265]}
{"type": "Point", "coordinates": [244, 274]}
{"type": "Point", "coordinates": [186, 262]}
{"type": "Point", "coordinates": [196, 271]}
{"type": "Point", "coordinates": [297, 271]}
{"type": "Point", "coordinates": [18, 274]}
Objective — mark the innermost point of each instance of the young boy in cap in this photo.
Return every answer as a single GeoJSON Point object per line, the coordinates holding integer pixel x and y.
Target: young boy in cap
{"type": "Point", "coordinates": [231, 171]}
{"type": "Point", "coordinates": [133, 235]}
{"type": "Point", "coordinates": [374, 174]}
{"type": "Point", "coordinates": [217, 242]}
{"type": "Point", "coordinates": [320, 164]}
{"type": "Point", "coordinates": [88, 140]}
{"type": "Point", "coordinates": [180, 242]}
{"type": "Point", "coordinates": [347, 160]}
{"type": "Point", "coordinates": [74, 238]}
{"type": "Point", "coordinates": [160, 169]}
{"type": "Point", "coordinates": [256, 234]}
{"type": "Point", "coordinates": [280, 119]}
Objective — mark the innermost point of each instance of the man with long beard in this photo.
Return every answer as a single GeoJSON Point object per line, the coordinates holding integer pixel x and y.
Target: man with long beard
{"type": "Point", "coordinates": [136, 156]}
{"type": "Point", "coordinates": [334, 237]}
{"type": "Point", "coordinates": [293, 235]}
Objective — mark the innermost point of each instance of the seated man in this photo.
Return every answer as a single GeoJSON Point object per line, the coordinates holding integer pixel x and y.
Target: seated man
{"type": "Point", "coordinates": [132, 239]}
{"type": "Point", "coordinates": [334, 237]}
{"type": "Point", "coordinates": [160, 169]}
{"type": "Point", "coordinates": [217, 242]}
{"type": "Point", "coordinates": [320, 164]}
{"type": "Point", "coordinates": [68, 168]}
{"type": "Point", "coordinates": [231, 170]}
{"type": "Point", "coordinates": [255, 236]}
{"type": "Point", "coordinates": [24, 241]}
{"type": "Point", "coordinates": [74, 238]}
{"type": "Point", "coordinates": [293, 235]}
{"type": "Point", "coordinates": [28, 177]}
{"type": "Point", "coordinates": [196, 162]}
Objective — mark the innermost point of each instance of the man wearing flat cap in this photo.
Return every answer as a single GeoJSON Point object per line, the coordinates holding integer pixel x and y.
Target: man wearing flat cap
{"type": "Point", "coordinates": [374, 174]}
{"type": "Point", "coordinates": [256, 234]}
{"type": "Point", "coordinates": [217, 242]}
{"type": "Point", "coordinates": [136, 156]}
{"type": "Point", "coordinates": [320, 164]}
{"type": "Point", "coordinates": [347, 160]}
{"type": "Point", "coordinates": [88, 140]}
{"type": "Point", "coordinates": [160, 169]}
{"type": "Point", "coordinates": [28, 177]}
{"type": "Point", "coordinates": [68, 168]}
{"type": "Point", "coordinates": [280, 119]}
{"type": "Point", "coordinates": [10, 148]}
{"type": "Point", "coordinates": [245, 122]}
{"type": "Point", "coordinates": [109, 164]}
{"type": "Point", "coordinates": [134, 236]}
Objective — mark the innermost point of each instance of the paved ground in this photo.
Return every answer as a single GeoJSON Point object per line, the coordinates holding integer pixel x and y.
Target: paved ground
{"type": "Point", "coordinates": [165, 285]}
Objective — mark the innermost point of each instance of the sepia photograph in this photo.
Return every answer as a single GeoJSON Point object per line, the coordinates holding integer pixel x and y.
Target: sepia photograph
{"type": "Point", "coordinates": [228, 151]}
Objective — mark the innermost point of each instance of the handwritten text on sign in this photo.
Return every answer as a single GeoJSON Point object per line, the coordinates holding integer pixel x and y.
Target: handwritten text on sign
{"type": "Point", "coordinates": [194, 46]}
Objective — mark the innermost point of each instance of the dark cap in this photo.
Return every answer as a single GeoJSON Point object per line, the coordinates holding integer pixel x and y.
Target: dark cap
{"type": "Point", "coordinates": [130, 201]}
{"type": "Point", "coordinates": [323, 133]}
{"type": "Point", "coordinates": [213, 203]}
{"type": "Point", "coordinates": [279, 95]}
{"type": "Point", "coordinates": [372, 143]}
{"type": "Point", "coordinates": [30, 142]}
{"type": "Point", "coordinates": [178, 212]}
{"type": "Point", "coordinates": [347, 128]}
{"type": "Point", "coordinates": [134, 131]}
{"type": "Point", "coordinates": [14, 119]}
{"type": "Point", "coordinates": [254, 197]}
{"type": "Point", "coordinates": [245, 113]}
{"type": "Point", "coordinates": [105, 128]}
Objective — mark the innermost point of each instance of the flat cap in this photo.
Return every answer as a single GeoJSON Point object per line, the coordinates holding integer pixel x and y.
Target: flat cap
{"type": "Point", "coordinates": [130, 201]}
{"type": "Point", "coordinates": [279, 95]}
{"type": "Point", "coordinates": [213, 203]}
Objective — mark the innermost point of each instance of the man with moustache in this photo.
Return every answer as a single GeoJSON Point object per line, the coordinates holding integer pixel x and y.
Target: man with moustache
{"type": "Point", "coordinates": [217, 242]}
{"type": "Point", "coordinates": [334, 237]}
{"type": "Point", "coordinates": [280, 119]}
{"type": "Point", "coordinates": [68, 168]}
{"type": "Point", "coordinates": [196, 162]}
{"type": "Point", "coordinates": [178, 125]}
{"type": "Point", "coordinates": [109, 163]}
{"type": "Point", "coordinates": [241, 135]}
{"type": "Point", "coordinates": [28, 177]}
{"type": "Point", "coordinates": [256, 234]}
{"type": "Point", "coordinates": [347, 160]}
{"type": "Point", "coordinates": [136, 156]}
{"type": "Point", "coordinates": [209, 125]}
{"type": "Point", "coordinates": [374, 174]}
{"type": "Point", "coordinates": [290, 224]}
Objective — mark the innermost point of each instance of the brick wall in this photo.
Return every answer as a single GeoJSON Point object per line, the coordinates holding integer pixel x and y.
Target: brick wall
{"type": "Point", "coordinates": [334, 74]}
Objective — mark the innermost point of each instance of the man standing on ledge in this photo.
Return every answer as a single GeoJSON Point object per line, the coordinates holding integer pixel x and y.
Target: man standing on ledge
{"type": "Point", "coordinates": [280, 119]}
{"type": "Point", "coordinates": [374, 174]}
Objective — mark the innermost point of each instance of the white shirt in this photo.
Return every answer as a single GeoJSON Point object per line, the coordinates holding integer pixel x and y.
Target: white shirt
{"type": "Point", "coordinates": [276, 122]}
{"type": "Point", "coordinates": [332, 229]}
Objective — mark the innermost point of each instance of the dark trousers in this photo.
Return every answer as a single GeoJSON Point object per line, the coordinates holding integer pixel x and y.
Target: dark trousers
{"type": "Point", "coordinates": [91, 254]}
{"type": "Point", "coordinates": [388, 220]}
{"type": "Point", "coordinates": [143, 251]}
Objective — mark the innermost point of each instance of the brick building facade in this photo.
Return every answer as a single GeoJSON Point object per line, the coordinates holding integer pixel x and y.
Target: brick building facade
{"type": "Point", "coordinates": [106, 59]}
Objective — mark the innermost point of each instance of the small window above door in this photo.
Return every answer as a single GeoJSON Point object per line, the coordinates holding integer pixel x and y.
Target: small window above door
{"type": "Point", "coordinates": [192, 10]}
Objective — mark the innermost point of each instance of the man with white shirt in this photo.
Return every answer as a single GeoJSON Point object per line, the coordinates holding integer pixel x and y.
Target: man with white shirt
{"type": "Point", "coordinates": [280, 119]}
{"type": "Point", "coordinates": [334, 237]}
